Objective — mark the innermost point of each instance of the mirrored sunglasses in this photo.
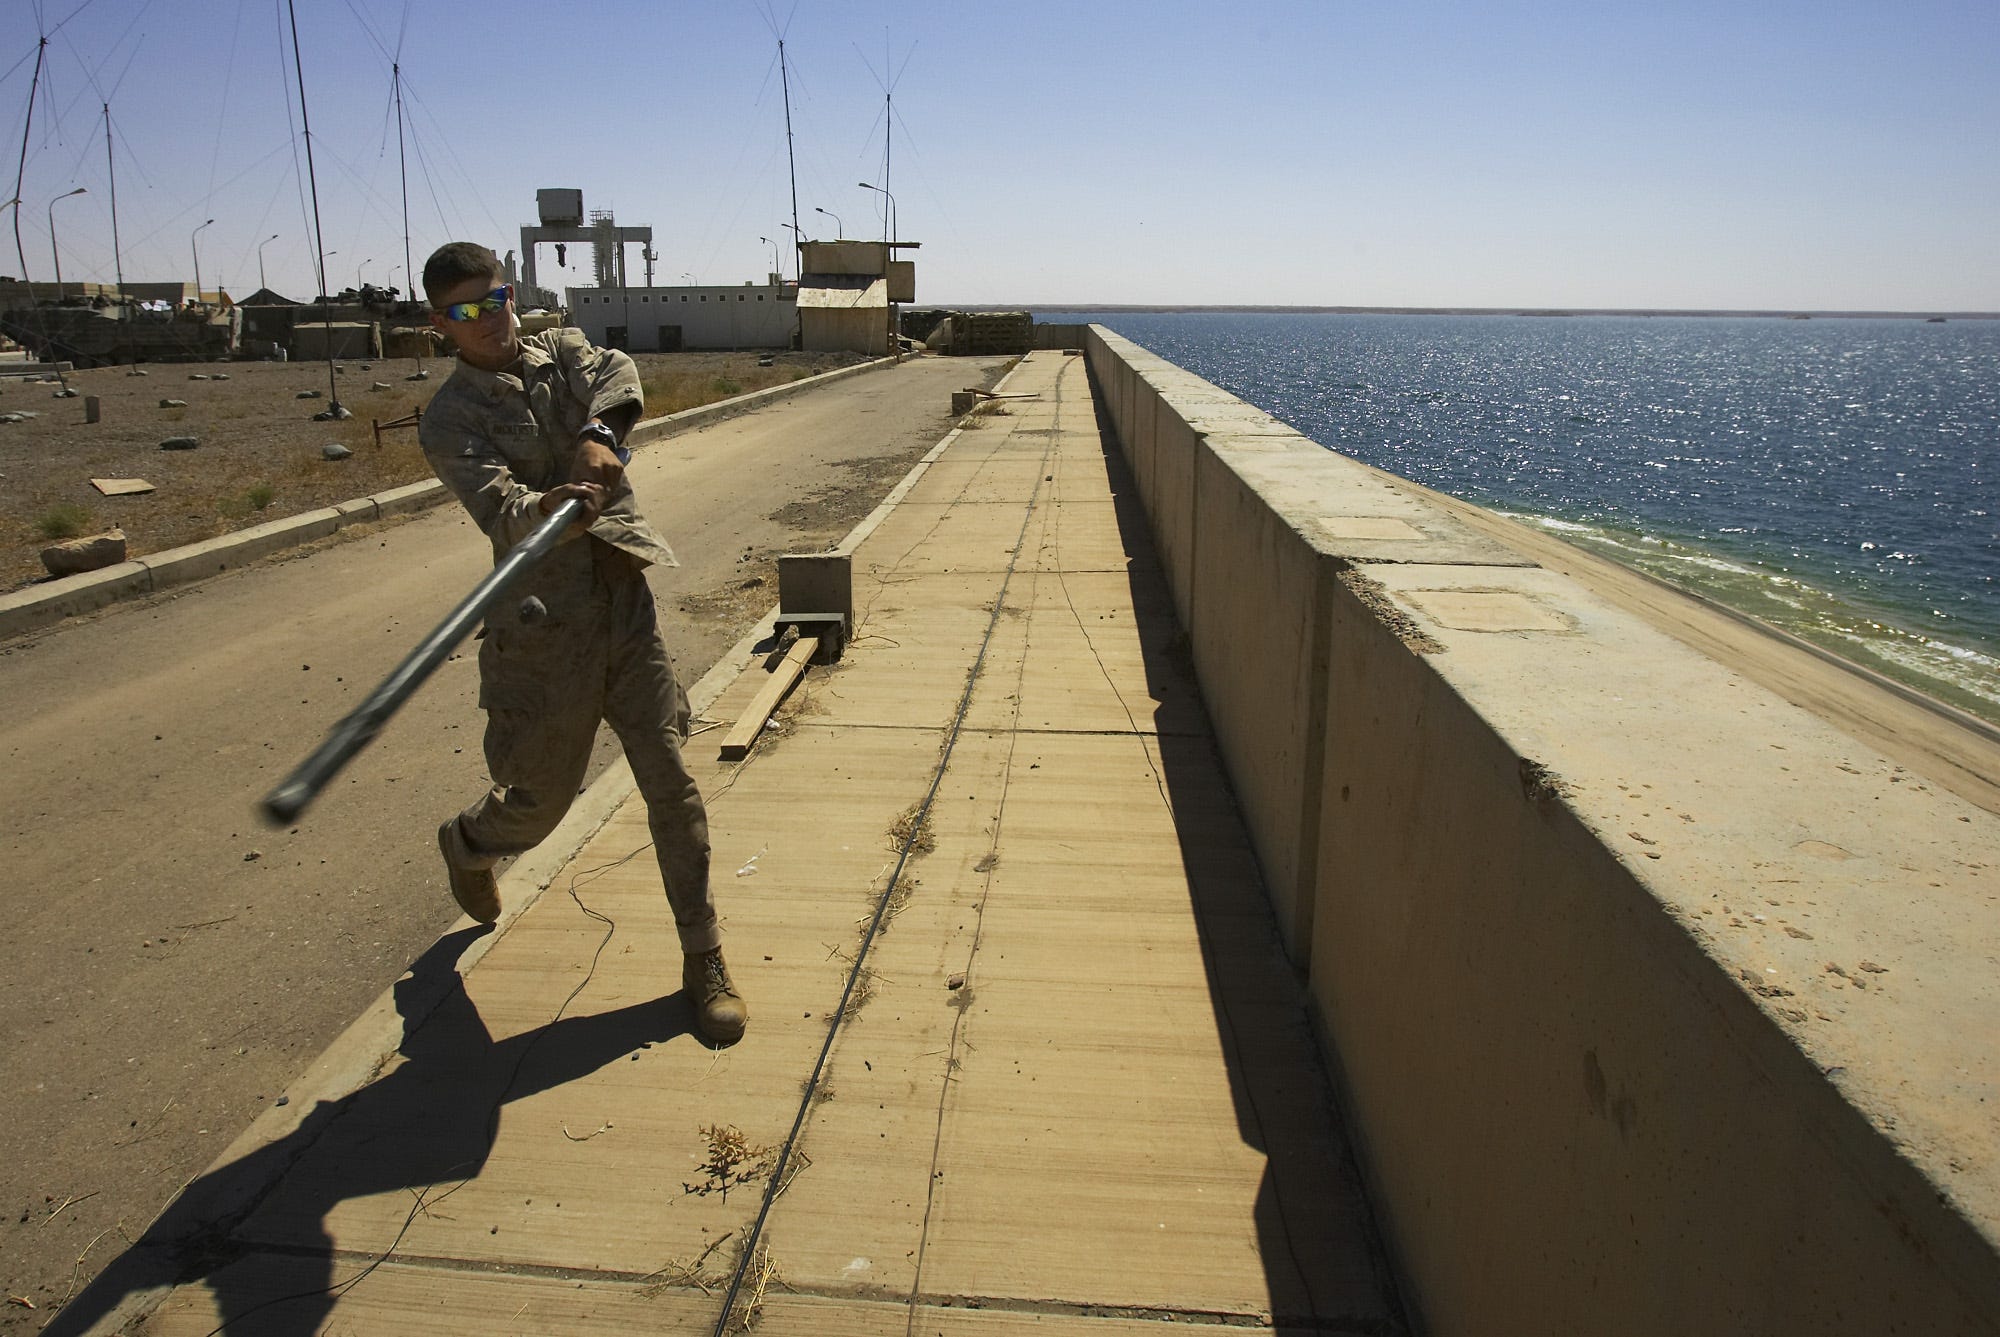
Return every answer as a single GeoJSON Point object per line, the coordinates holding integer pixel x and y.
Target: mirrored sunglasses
{"type": "Point", "coordinates": [485, 306]}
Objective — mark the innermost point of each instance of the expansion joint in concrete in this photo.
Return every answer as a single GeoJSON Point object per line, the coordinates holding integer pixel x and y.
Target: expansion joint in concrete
{"type": "Point", "coordinates": [1008, 1304]}
{"type": "Point", "coordinates": [438, 1263]}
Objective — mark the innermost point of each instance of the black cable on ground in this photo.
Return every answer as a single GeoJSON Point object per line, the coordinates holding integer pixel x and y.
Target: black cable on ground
{"type": "Point", "coordinates": [424, 1202]}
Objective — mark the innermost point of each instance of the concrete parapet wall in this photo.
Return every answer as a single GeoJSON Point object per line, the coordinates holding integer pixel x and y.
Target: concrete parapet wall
{"type": "Point", "coordinates": [1658, 1005]}
{"type": "Point", "coordinates": [1060, 336]}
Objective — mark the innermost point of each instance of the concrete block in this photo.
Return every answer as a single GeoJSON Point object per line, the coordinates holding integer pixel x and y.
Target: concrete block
{"type": "Point", "coordinates": [819, 582]}
{"type": "Point", "coordinates": [358, 511]}
{"type": "Point", "coordinates": [410, 497]}
{"type": "Point", "coordinates": [197, 561]}
{"type": "Point", "coordinates": [50, 602]}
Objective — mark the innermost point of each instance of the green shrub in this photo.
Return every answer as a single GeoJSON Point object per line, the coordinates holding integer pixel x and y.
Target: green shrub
{"type": "Point", "coordinates": [63, 521]}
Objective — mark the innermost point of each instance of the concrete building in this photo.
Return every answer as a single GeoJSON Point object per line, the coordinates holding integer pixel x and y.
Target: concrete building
{"type": "Point", "coordinates": [847, 294]}
{"type": "Point", "coordinates": [667, 320]}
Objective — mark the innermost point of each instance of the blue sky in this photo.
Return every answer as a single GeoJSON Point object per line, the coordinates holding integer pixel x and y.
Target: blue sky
{"type": "Point", "coordinates": [1822, 155]}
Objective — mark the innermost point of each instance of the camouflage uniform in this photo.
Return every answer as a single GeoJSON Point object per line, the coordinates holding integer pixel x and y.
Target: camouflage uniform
{"type": "Point", "coordinates": [498, 441]}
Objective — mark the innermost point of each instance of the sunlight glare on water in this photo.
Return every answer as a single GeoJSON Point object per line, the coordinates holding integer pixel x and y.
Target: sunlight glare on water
{"type": "Point", "coordinates": [1833, 477]}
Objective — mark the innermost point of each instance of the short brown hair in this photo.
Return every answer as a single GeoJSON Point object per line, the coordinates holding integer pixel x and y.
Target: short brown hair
{"type": "Point", "coordinates": [456, 261]}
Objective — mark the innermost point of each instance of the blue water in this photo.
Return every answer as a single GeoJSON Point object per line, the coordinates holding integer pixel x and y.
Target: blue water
{"type": "Point", "coordinates": [1834, 477]}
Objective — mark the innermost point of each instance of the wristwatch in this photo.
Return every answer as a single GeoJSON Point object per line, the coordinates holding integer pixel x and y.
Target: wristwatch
{"type": "Point", "coordinates": [597, 431]}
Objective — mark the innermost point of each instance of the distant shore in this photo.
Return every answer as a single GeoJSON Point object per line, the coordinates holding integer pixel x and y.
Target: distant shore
{"type": "Point", "coordinates": [1096, 307]}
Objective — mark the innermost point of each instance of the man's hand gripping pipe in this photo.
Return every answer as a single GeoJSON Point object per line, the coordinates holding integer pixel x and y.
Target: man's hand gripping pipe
{"type": "Point", "coordinates": [302, 786]}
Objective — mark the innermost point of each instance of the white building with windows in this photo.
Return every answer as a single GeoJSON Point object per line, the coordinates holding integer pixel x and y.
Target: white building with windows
{"type": "Point", "coordinates": [668, 320]}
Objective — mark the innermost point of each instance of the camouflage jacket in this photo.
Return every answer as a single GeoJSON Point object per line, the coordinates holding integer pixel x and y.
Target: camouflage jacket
{"type": "Point", "coordinates": [499, 440]}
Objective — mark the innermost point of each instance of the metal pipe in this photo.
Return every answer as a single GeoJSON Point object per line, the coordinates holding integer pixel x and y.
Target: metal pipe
{"type": "Point", "coordinates": [302, 786]}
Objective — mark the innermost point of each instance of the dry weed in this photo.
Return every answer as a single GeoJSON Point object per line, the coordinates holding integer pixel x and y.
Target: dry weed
{"type": "Point", "coordinates": [681, 1272]}
{"type": "Point", "coordinates": [912, 831]}
{"type": "Point", "coordinates": [758, 1277]}
{"type": "Point", "coordinates": [864, 992]}
{"type": "Point", "coordinates": [732, 1161]}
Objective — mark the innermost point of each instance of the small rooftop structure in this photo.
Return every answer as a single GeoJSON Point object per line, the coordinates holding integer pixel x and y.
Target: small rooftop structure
{"type": "Point", "coordinates": [848, 291]}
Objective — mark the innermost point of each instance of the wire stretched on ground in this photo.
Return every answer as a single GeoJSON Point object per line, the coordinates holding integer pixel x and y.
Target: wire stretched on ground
{"type": "Point", "coordinates": [916, 826]}
{"type": "Point", "coordinates": [423, 1202]}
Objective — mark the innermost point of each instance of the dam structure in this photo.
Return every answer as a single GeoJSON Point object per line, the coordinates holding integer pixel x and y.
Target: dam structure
{"type": "Point", "coordinates": [1220, 883]}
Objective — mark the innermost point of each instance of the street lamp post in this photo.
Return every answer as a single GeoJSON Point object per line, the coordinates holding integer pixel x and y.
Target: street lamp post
{"type": "Point", "coordinates": [260, 260]}
{"type": "Point", "coordinates": [195, 246]}
{"type": "Point", "coordinates": [777, 270]}
{"type": "Point", "coordinates": [393, 270]}
{"type": "Point", "coordinates": [892, 207]}
{"type": "Point", "coordinates": [357, 272]}
{"type": "Point", "coordinates": [54, 251]}
{"type": "Point", "coordinates": [839, 228]}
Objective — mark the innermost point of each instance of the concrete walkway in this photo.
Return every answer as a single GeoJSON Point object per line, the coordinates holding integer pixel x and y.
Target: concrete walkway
{"type": "Point", "coordinates": [1068, 1084]}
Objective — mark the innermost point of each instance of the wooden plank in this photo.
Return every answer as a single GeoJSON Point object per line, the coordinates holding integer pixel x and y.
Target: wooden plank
{"type": "Point", "coordinates": [121, 487]}
{"type": "Point", "coordinates": [751, 723]}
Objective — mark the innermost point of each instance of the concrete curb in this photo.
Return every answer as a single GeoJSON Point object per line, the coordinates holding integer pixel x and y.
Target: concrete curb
{"type": "Point", "coordinates": [654, 429]}
{"type": "Point", "coordinates": [44, 605]}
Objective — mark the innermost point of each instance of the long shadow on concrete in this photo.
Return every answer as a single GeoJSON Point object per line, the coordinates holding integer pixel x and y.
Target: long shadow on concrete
{"type": "Point", "coordinates": [429, 1124]}
{"type": "Point", "coordinates": [1323, 1259]}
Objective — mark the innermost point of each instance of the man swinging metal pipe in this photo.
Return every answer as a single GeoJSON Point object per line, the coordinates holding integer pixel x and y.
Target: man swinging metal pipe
{"type": "Point", "coordinates": [520, 427]}
{"type": "Point", "coordinates": [528, 433]}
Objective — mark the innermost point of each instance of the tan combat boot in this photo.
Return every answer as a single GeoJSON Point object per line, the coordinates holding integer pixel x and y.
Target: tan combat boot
{"type": "Point", "coordinates": [719, 1011]}
{"type": "Point", "coordinates": [475, 889]}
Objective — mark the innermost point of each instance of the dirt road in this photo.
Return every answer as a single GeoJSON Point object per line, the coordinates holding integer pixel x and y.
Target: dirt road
{"type": "Point", "coordinates": [170, 962]}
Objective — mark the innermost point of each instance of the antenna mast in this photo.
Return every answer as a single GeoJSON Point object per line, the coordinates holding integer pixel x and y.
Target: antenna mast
{"type": "Point", "coordinates": [110, 170]}
{"type": "Point", "coordinates": [888, 134]}
{"type": "Point", "coordinates": [333, 409]}
{"type": "Point", "coordinates": [21, 172]}
{"type": "Point", "coordinates": [403, 163]}
{"type": "Point", "coordinates": [791, 160]}
{"type": "Point", "coordinates": [117, 260]}
{"type": "Point", "coordinates": [21, 175]}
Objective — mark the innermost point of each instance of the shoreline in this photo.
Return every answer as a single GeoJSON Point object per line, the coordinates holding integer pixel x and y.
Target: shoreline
{"type": "Point", "coordinates": [1955, 748]}
{"type": "Point", "coordinates": [1808, 619]}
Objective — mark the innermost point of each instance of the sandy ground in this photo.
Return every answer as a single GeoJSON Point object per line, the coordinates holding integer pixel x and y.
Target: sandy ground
{"type": "Point", "coordinates": [173, 963]}
{"type": "Point", "coordinates": [259, 456]}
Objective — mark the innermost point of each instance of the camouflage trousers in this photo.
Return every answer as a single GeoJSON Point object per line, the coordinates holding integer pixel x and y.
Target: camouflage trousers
{"type": "Point", "coordinates": [545, 685]}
